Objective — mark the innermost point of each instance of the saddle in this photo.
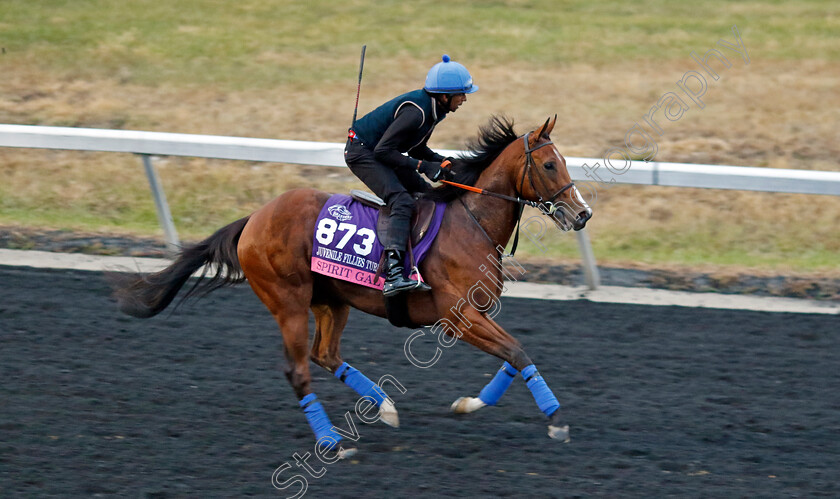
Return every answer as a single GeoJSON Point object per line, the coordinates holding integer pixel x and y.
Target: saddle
{"type": "Point", "coordinates": [421, 218]}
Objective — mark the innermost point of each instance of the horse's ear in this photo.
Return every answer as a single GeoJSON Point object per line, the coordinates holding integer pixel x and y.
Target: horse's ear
{"type": "Point", "coordinates": [545, 131]}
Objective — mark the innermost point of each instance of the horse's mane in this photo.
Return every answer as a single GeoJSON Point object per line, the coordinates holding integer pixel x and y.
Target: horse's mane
{"type": "Point", "coordinates": [492, 139]}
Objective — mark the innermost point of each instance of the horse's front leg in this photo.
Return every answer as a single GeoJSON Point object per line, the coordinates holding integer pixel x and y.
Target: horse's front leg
{"type": "Point", "coordinates": [490, 394]}
{"type": "Point", "coordinates": [477, 329]}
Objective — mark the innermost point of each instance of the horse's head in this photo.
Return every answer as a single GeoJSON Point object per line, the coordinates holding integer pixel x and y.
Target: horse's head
{"type": "Point", "coordinates": [545, 179]}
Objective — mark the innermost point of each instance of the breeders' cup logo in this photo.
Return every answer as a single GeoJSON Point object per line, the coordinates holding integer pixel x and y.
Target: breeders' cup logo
{"type": "Point", "coordinates": [340, 212]}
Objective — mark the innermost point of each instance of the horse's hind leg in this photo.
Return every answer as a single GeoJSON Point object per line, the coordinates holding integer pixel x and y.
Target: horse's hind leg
{"type": "Point", "coordinates": [329, 323]}
{"type": "Point", "coordinates": [288, 304]}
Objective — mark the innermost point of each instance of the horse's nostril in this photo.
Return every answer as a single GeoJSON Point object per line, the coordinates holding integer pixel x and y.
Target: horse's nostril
{"type": "Point", "coordinates": [582, 218]}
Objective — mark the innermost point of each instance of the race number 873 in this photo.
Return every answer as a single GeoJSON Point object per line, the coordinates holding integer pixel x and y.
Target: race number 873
{"type": "Point", "coordinates": [325, 234]}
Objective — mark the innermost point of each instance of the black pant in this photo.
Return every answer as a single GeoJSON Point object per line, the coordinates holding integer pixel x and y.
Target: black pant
{"type": "Point", "coordinates": [394, 186]}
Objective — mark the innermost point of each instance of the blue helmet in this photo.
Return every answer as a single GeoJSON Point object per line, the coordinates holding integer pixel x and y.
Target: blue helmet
{"type": "Point", "coordinates": [449, 77]}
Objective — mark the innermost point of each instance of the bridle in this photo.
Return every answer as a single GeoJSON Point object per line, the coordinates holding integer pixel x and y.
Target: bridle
{"type": "Point", "coordinates": [546, 206]}
{"type": "Point", "coordinates": [550, 206]}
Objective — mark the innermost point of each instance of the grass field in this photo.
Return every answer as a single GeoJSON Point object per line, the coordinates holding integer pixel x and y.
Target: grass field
{"type": "Point", "coordinates": [288, 70]}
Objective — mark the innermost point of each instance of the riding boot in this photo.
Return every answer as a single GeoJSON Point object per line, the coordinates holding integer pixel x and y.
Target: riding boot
{"type": "Point", "coordinates": [395, 282]}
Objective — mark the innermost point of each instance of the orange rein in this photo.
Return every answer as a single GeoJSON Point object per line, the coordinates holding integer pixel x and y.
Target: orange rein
{"type": "Point", "coordinates": [489, 193]}
{"type": "Point", "coordinates": [466, 187]}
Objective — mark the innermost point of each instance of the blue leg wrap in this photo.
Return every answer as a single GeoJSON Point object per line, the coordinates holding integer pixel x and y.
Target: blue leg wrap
{"type": "Point", "coordinates": [318, 419]}
{"type": "Point", "coordinates": [353, 378]}
{"type": "Point", "coordinates": [546, 400]}
{"type": "Point", "coordinates": [494, 390]}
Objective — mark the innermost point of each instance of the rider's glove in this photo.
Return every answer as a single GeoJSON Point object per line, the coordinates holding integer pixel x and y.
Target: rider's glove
{"type": "Point", "coordinates": [446, 165]}
{"type": "Point", "coordinates": [433, 171]}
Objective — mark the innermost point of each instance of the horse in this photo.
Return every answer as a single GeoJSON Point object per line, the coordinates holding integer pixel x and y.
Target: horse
{"type": "Point", "coordinates": [272, 247]}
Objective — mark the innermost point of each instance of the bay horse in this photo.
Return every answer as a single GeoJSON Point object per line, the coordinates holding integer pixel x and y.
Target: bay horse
{"type": "Point", "coordinates": [272, 249]}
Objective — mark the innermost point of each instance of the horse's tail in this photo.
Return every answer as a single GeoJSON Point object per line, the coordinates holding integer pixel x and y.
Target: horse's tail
{"type": "Point", "coordinates": [143, 296]}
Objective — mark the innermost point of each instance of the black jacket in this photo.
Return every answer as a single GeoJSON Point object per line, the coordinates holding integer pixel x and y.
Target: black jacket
{"type": "Point", "coordinates": [401, 125]}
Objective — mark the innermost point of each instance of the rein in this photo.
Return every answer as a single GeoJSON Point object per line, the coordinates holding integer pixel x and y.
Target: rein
{"type": "Point", "coordinates": [529, 162]}
{"type": "Point", "coordinates": [470, 188]}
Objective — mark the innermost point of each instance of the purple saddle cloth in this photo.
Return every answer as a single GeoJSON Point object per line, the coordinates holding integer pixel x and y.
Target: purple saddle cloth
{"type": "Point", "coordinates": [345, 245]}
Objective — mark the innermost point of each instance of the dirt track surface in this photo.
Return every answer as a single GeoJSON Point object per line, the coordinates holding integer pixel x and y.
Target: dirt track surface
{"type": "Point", "coordinates": [662, 401]}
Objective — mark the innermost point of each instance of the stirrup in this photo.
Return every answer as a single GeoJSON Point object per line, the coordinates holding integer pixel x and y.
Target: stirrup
{"type": "Point", "coordinates": [421, 285]}
{"type": "Point", "coordinates": [407, 284]}
{"type": "Point", "coordinates": [415, 286]}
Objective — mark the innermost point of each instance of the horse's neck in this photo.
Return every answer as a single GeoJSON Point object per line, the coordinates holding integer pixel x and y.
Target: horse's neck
{"type": "Point", "coordinates": [496, 216]}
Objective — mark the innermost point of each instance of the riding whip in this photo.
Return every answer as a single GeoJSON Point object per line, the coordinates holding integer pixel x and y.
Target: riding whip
{"type": "Point", "coordinates": [359, 87]}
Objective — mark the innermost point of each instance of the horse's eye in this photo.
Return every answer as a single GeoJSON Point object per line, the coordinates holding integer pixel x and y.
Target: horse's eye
{"type": "Point", "coordinates": [548, 165]}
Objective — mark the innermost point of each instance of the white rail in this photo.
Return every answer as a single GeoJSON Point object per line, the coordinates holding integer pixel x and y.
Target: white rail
{"type": "Point", "coordinates": [331, 154]}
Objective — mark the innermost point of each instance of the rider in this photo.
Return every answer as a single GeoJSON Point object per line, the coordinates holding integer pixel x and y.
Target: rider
{"type": "Point", "coordinates": [375, 148]}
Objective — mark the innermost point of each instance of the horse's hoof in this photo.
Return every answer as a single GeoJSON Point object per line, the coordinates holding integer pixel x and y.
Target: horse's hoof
{"type": "Point", "coordinates": [560, 433]}
{"type": "Point", "coordinates": [345, 452]}
{"type": "Point", "coordinates": [466, 405]}
{"type": "Point", "coordinates": [388, 414]}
